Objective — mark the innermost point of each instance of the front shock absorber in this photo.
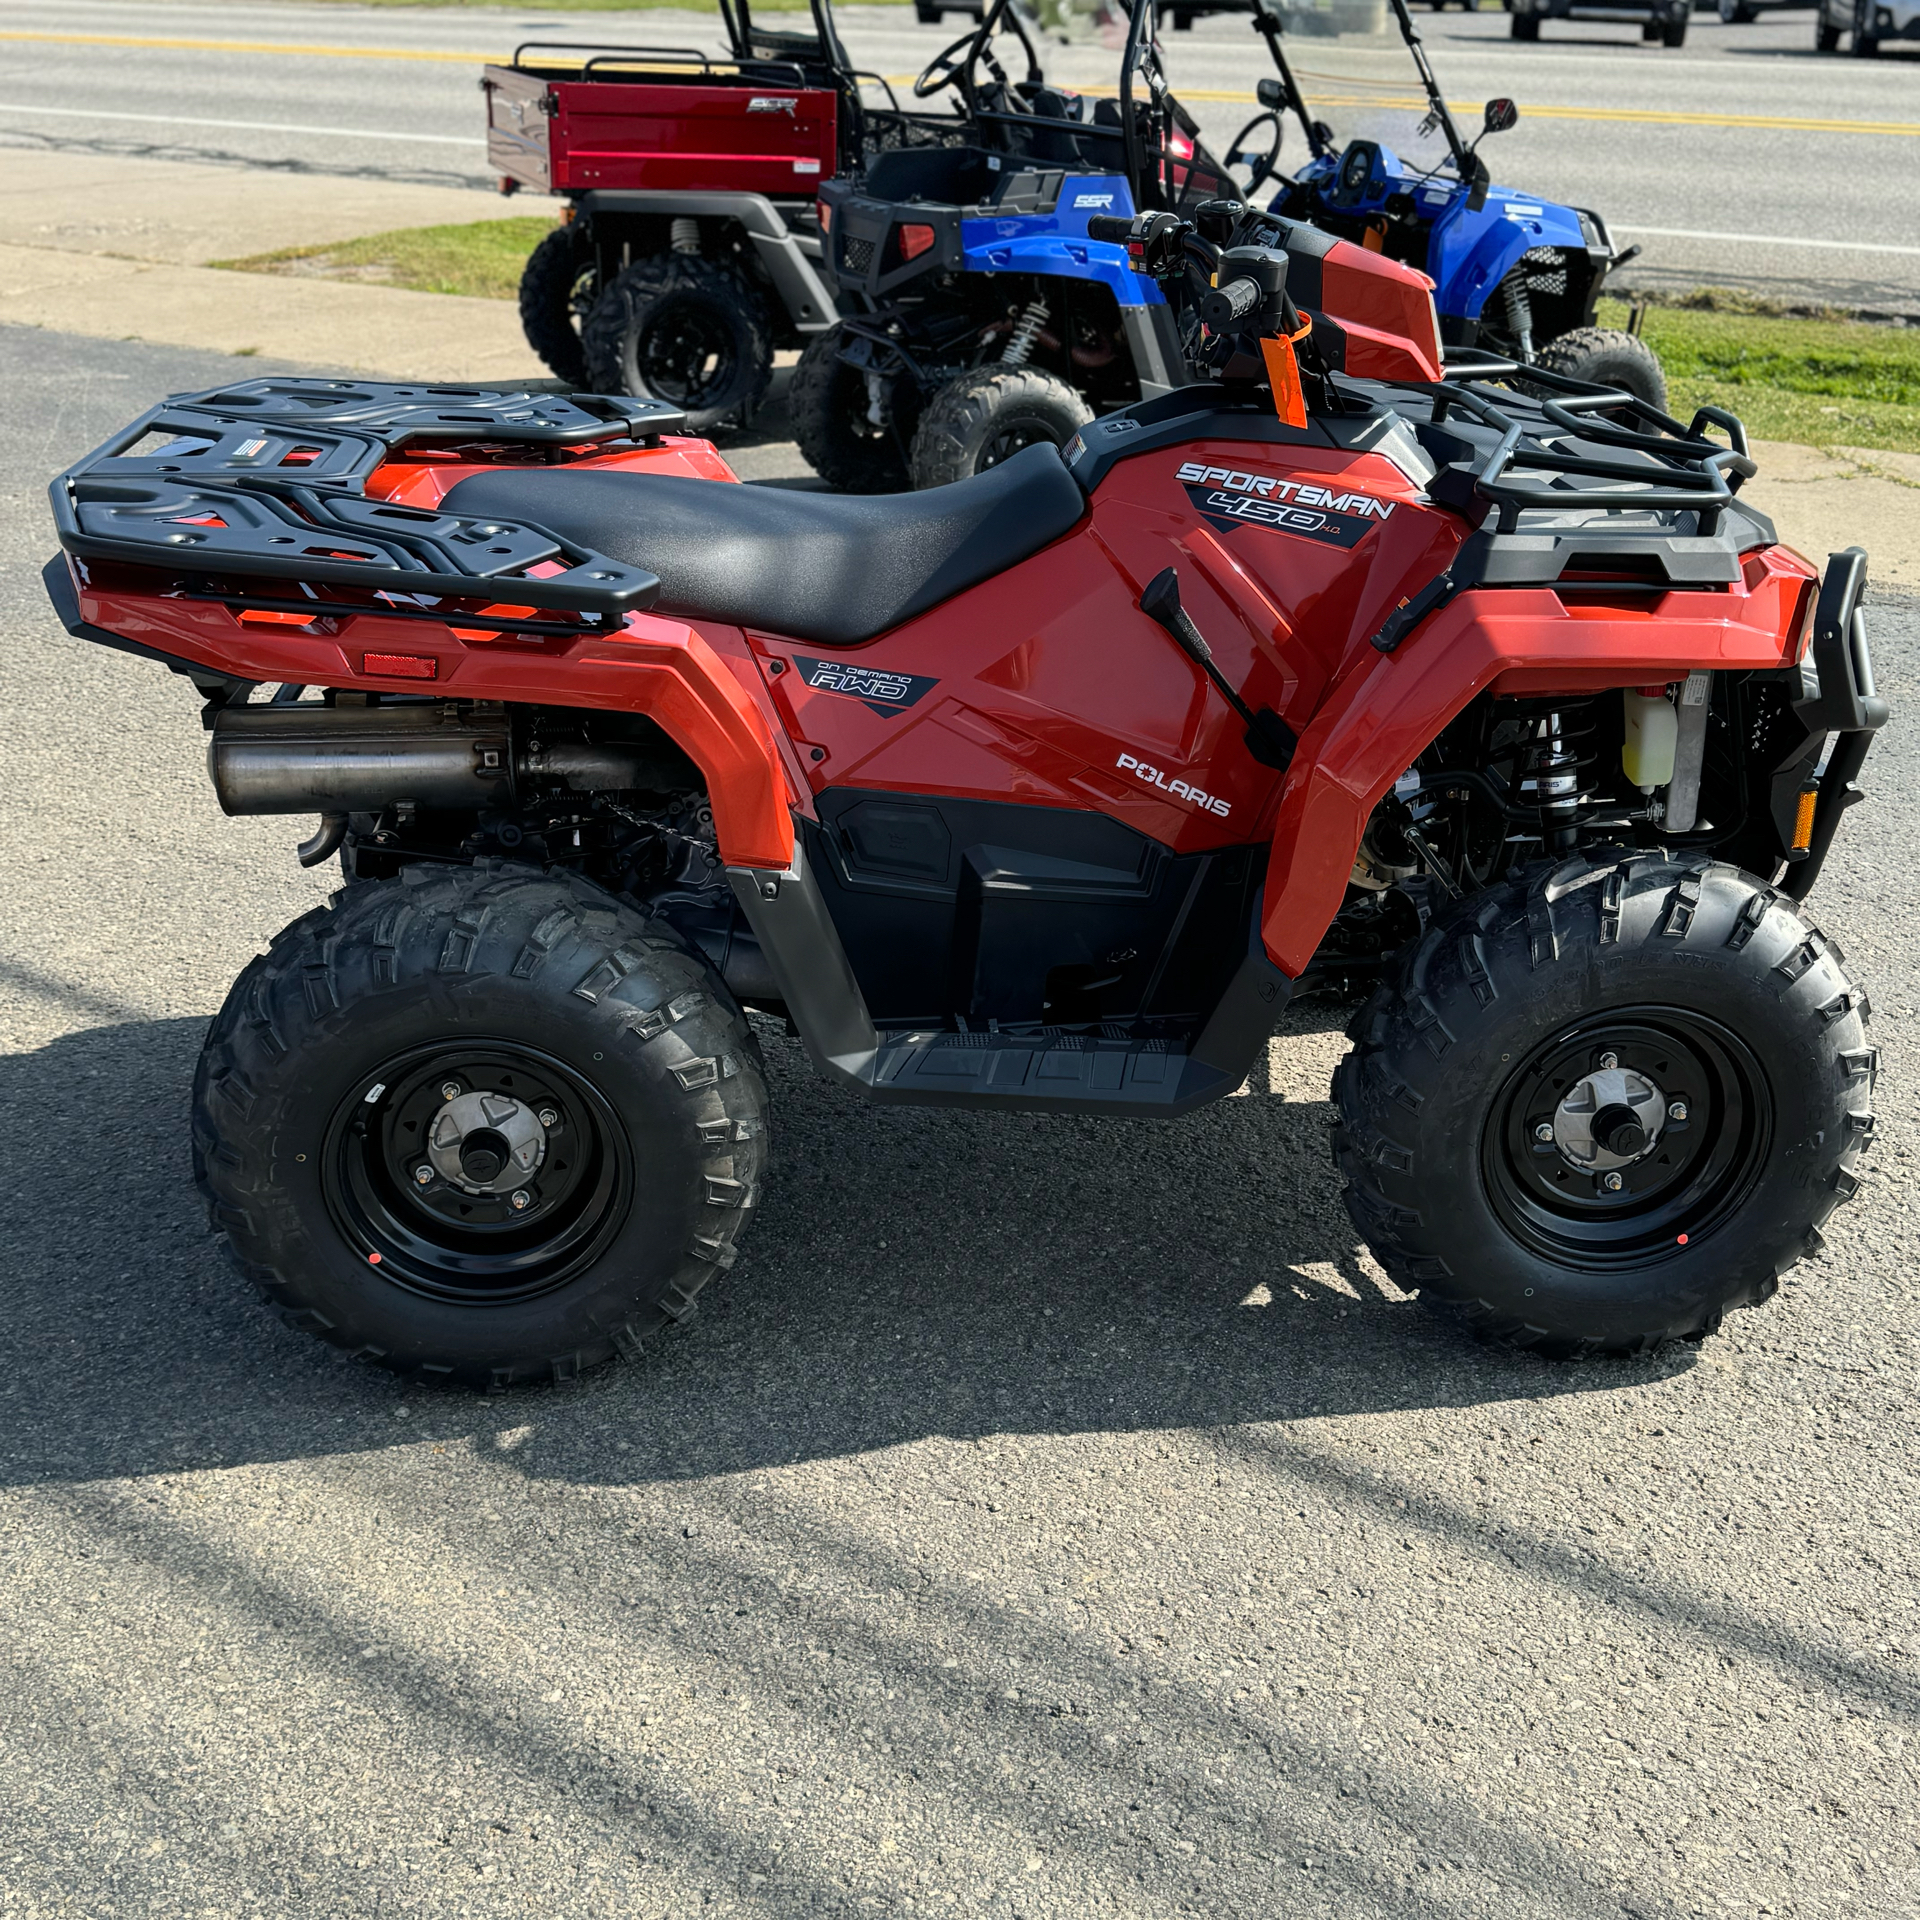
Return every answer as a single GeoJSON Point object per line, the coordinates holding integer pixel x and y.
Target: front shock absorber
{"type": "Point", "coordinates": [1519, 311]}
{"type": "Point", "coordinates": [1024, 332]}
{"type": "Point", "coordinates": [1552, 782]}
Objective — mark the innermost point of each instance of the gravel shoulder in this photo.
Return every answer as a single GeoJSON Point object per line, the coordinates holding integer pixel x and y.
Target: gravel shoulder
{"type": "Point", "coordinates": [1047, 1517]}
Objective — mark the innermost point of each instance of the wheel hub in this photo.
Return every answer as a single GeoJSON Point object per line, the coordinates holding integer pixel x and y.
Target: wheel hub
{"type": "Point", "coordinates": [1609, 1119]}
{"type": "Point", "coordinates": [486, 1143]}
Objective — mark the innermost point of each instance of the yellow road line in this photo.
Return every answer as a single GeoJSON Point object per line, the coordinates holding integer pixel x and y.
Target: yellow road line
{"type": "Point", "coordinates": [244, 46]}
{"type": "Point", "coordinates": [1629, 116]}
{"type": "Point", "coordinates": [1636, 116]}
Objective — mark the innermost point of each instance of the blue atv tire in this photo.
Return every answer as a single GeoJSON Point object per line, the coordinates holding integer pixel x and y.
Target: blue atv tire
{"type": "Point", "coordinates": [983, 417]}
{"type": "Point", "coordinates": [1608, 357]}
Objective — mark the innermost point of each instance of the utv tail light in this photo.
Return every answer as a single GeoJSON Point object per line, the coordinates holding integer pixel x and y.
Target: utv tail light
{"type": "Point", "coordinates": [914, 241]}
{"type": "Point", "coordinates": [826, 215]}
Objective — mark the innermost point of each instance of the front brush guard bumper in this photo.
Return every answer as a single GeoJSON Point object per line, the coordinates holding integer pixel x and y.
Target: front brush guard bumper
{"type": "Point", "coordinates": [1838, 699]}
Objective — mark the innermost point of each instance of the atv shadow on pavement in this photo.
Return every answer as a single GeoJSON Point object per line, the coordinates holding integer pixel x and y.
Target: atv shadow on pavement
{"type": "Point", "coordinates": [919, 1272]}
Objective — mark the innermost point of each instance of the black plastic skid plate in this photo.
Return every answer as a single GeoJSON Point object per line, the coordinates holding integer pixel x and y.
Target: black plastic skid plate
{"type": "Point", "coordinates": [267, 477]}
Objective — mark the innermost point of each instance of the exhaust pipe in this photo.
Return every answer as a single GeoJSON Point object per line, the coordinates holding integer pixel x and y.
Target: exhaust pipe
{"type": "Point", "coordinates": [340, 760]}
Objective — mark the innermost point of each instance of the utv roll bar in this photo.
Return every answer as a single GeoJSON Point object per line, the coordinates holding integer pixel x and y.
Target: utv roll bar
{"type": "Point", "coordinates": [1270, 25]}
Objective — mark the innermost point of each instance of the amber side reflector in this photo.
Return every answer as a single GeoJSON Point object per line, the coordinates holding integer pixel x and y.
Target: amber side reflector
{"type": "Point", "coordinates": [400, 666]}
{"type": "Point", "coordinates": [1803, 818]}
{"type": "Point", "coordinates": [914, 241]}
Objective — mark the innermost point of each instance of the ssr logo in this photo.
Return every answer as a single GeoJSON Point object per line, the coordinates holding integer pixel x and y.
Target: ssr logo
{"type": "Point", "coordinates": [1091, 202]}
{"type": "Point", "coordinates": [772, 103]}
{"type": "Point", "coordinates": [1229, 497]}
{"type": "Point", "coordinates": [1176, 789]}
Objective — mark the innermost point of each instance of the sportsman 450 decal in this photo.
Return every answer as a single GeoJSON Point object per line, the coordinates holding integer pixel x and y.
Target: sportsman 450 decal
{"type": "Point", "coordinates": [1232, 496]}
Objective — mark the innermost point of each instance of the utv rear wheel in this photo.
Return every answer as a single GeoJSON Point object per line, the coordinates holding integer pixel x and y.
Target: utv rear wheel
{"type": "Point", "coordinates": [1526, 26]}
{"type": "Point", "coordinates": [1608, 357]}
{"type": "Point", "coordinates": [987, 416]}
{"type": "Point", "coordinates": [557, 291]}
{"type": "Point", "coordinates": [830, 410]}
{"type": "Point", "coordinates": [1826, 39]}
{"type": "Point", "coordinates": [687, 331]}
{"type": "Point", "coordinates": [479, 1124]}
{"type": "Point", "coordinates": [1598, 1108]}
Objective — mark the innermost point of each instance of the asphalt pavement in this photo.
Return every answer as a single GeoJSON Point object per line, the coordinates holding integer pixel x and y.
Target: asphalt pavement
{"type": "Point", "coordinates": [1047, 1517]}
{"type": "Point", "coordinates": [1743, 158]}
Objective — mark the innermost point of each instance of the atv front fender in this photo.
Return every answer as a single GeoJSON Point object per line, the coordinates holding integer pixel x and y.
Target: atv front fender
{"type": "Point", "coordinates": [1388, 708]}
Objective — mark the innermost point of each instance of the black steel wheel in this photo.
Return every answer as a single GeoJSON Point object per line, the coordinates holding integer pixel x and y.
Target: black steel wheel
{"type": "Point", "coordinates": [477, 1173]}
{"type": "Point", "coordinates": [1595, 1108]}
{"type": "Point", "coordinates": [480, 1124]}
{"type": "Point", "coordinates": [1636, 1131]}
{"type": "Point", "coordinates": [685, 330]}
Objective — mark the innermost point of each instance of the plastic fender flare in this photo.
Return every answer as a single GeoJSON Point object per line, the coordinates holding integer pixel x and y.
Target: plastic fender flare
{"type": "Point", "coordinates": [1055, 256]}
{"type": "Point", "coordinates": [1477, 252]}
{"type": "Point", "coordinates": [654, 665]}
{"type": "Point", "coordinates": [1388, 708]}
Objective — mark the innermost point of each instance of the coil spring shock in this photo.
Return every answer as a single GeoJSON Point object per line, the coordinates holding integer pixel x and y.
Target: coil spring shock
{"type": "Point", "coordinates": [1024, 332]}
{"type": "Point", "coordinates": [1554, 777]}
{"type": "Point", "coordinates": [1519, 311]}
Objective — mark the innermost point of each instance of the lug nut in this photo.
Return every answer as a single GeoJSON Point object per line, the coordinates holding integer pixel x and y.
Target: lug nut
{"type": "Point", "coordinates": [549, 1116]}
{"type": "Point", "coordinates": [450, 1090]}
{"type": "Point", "coordinates": [1613, 1183]}
{"type": "Point", "coordinates": [423, 1176]}
{"type": "Point", "coordinates": [1676, 1109]}
{"type": "Point", "coordinates": [1544, 1132]}
{"type": "Point", "coordinates": [521, 1201]}
{"type": "Point", "coordinates": [1608, 1061]}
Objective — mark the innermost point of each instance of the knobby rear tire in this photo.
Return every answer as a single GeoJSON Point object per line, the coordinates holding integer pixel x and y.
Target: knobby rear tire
{"type": "Point", "coordinates": [1442, 1048]}
{"type": "Point", "coordinates": [980, 418]}
{"type": "Point", "coordinates": [827, 409]}
{"type": "Point", "coordinates": [555, 289]}
{"type": "Point", "coordinates": [469, 960]}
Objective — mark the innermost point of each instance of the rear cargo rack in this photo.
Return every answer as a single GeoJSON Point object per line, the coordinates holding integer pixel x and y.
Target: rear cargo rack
{"type": "Point", "coordinates": [266, 479]}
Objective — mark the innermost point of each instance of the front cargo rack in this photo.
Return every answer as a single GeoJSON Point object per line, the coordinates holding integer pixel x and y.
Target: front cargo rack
{"type": "Point", "coordinates": [266, 479]}
{"type": "Point", "coordinates": [1572, 430]}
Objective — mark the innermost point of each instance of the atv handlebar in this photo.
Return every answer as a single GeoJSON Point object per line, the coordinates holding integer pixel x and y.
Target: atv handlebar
{"type": "Point", "coordinates": [1225, 307]}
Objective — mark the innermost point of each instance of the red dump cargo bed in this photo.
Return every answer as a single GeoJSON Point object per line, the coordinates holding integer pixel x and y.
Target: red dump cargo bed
{"type": "Point", "coordinates": [695, 128]}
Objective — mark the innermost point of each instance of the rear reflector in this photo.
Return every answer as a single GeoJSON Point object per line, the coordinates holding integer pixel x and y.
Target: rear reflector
{"type": "Point", "coordinates": [826, 215]}
{"type": "Point", "coordinates": [400, 666]}
{"type": "Point", "coordinates": [914, 241]}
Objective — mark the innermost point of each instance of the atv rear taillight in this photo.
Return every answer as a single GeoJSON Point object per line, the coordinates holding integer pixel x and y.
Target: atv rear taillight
{"type": "Point", "coordinates": [914, 241]}
{"type": "Point", "coordinates": [826, 215]}
{"type": "Point", "coordinates": [400, 666]}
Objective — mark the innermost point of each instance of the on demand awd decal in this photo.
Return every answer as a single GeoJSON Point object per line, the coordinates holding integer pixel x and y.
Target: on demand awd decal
{"type": "Point", "coordinates": [884, 692]}
{"type": "Point", "coordinates": [1228, 497]}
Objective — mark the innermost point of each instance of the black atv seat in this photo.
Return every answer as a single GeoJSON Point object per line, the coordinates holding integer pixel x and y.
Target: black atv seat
{"type": "Point", "coordinates": [829, 568]}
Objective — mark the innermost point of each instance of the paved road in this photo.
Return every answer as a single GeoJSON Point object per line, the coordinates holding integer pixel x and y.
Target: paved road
{"type": "Point", "coordinates": [1793, 203]}
{"type": "Point", "coordinates": [1047, 1518]}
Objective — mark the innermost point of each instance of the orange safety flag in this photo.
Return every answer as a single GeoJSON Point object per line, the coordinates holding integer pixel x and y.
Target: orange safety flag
{"type": "Point", "coordinates": [1283, 374]}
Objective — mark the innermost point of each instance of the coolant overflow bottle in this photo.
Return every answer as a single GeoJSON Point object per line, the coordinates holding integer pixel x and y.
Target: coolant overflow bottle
{"type": "Point", "coordinates": [1652, 729]}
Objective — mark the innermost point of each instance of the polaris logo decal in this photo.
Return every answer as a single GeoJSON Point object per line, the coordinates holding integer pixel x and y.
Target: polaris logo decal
{"type": "Point", "coordinates": [1174, 789]}
{"type": "Point", "coordinates": [884, 692]}
{"type": "Point", "coordinates": [1091, 202]}
{"type": "Point", "coordinates": [1229, 496]}
{"type": "Point", "coordinates": [771, 103]}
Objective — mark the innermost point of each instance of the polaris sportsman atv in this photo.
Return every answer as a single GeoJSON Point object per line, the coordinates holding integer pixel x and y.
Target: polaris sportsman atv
{"type": "Point", "coordinates": [1045, 791]}
{"type": "Point", "coordinates": [990, 322]}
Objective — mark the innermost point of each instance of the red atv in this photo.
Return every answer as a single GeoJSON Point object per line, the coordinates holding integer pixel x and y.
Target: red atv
{"type": "Point", "coordinates": [1045, 790]}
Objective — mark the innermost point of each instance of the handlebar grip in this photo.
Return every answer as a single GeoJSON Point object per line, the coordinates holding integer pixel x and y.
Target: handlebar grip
{"type": "Point", "coordinates": [1110, 226]}
{"type": "Point", "coordinates": [1225, 307]}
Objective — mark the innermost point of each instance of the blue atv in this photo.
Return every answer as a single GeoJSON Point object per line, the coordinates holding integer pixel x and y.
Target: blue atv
{"type": "Point", "coordinates": [1513, 274]}
{"type": "Point", "coordinates": [988, 317]}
